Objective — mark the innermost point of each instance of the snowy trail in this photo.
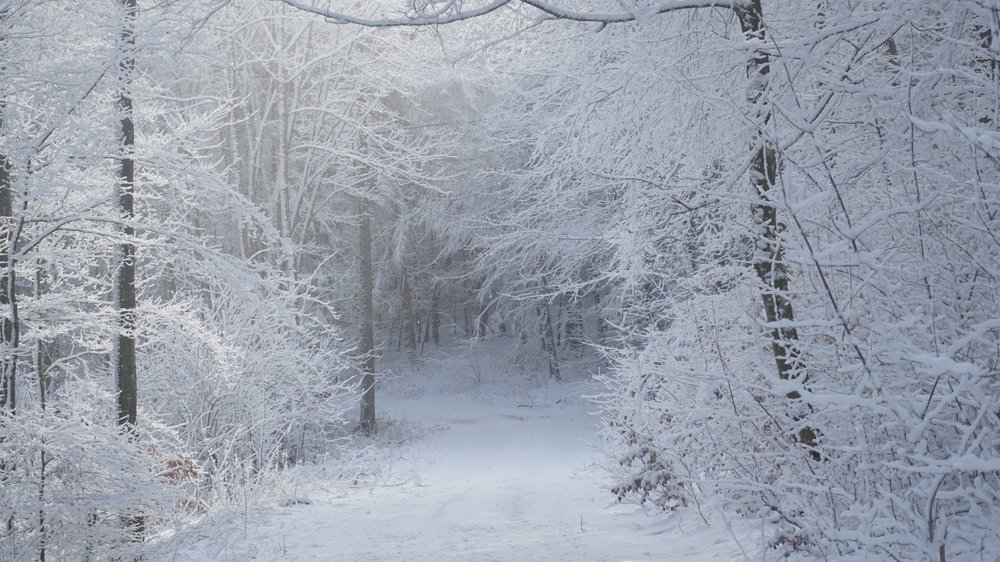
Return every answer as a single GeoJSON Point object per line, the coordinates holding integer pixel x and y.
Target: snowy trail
{"type": "Point", "coordinates": [487, 482]}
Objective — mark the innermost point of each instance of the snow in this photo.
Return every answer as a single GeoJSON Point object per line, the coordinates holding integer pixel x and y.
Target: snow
{"type": "Point", "coordinates": [483, 473]}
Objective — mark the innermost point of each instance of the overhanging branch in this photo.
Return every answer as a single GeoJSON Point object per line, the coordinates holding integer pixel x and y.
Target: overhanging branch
{"type": "Point", "coordinates": [453, 11]}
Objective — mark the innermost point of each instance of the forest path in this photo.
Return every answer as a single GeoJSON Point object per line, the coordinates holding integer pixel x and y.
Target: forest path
{"type": "Point", "coordinates": [480, 481]}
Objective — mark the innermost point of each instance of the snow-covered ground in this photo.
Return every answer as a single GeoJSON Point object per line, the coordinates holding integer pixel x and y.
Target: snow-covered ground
{"type": "Point", "coordinates": [467, 470]}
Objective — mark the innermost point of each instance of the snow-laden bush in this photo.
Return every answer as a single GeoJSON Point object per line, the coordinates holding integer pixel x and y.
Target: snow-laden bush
{"type": "Point", "coordinates": [73, 485]}
{"type": "Point", "coordinates": [907, 460]}
{"type": "Point", "coordinates": [254, 386]}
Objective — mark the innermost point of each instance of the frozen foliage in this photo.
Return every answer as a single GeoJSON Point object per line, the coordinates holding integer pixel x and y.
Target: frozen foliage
{"type": "Point", "coordinates": [251, 387]}
{"type": "Point", "coordinates": [71, 480]}
{"type": "Point", "coordinates": [775, 219]}
{"type": "Point", "coordinates": [240, 371]}
{"type": "Point", "coordinates": [884, 117]}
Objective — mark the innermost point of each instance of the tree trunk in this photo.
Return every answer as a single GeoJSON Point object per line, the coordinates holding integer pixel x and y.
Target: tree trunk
{"type": "Point", "coordinates": [9, 325]}
{"type": "Point", "coordinates": [435, 317]}
{"type": "Point", "coordinates": [42, 355]}
{"type": "Point", "coordinates": [549, 342]}
{"type": "Point", "coordinates": [467, 320]}
{"type": "Point", "coordinates": [128, 396]}
{"type": "Point", "coordinates": [601, 328]}
{"type": "Point", "coordinates": [559, 321]}
{"type": "Point", "coordinates": [367, 281]}
{"type": "Point", "coordinates": [8, 303]}
{"type": "Point", "coordinates": [483, 321]}
{"type": "Point", "coordinates": [427, 332]}
{"type": "Point", "coordinates": [768, 256]}
{"type": "Point", "coordinates": [41, 366]}
{"type": "Point", "coordinates": [125, 282]}
{"type": "Point", "coordinates": [409, 326]}
{"type": "Point", "coordinates": [574, 326]}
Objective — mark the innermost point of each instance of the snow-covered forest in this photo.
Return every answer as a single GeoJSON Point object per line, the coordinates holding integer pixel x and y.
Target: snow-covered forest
{"type": "Point", "coordinates": [259, 256]}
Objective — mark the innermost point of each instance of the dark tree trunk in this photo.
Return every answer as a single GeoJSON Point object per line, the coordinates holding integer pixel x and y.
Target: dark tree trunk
{"type": "Point", "coordinates": [574, 326]}
{"type": "Point", "coordinates": [427, 331]}
{"type": "Point", "coordinates": [409, 325]}
{"type": "Point", "coordinates": [483, 321]}
{"type": "Point", "coordinates": [602, 328]}
{"type": "Point", "coordinates": [9, 325]}
{"type": "Point", "coordinates": [8, 302]}
{"type": "Point", "coordinates": [559, 322]}
{"type": "Point", "coordinates": [768, 256]}
{"type": "Point", "coordinates": [125, 283]}
{"type": "Point", "coordinates": [367, 282]}
{"type": "Point", "coordinates": [42, 349]}
{"type": "Point", "coordinates": [128, 393]}
{"type": "Point", "coordinates": [435, 317]}
{"type": "Point", "coordinates": [549, 342]}
{"type": "Point", "coordinates": [42, 361]}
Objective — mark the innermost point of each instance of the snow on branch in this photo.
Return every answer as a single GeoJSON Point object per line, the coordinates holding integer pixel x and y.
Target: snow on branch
{"type": "Point", "coordinates": [453, 11]}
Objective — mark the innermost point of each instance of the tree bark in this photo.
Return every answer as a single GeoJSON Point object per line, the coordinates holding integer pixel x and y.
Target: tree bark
{"type": "Point", "coordinates": [549, 342]}
{"type": "Point", "coordinates": [768, 255]}
{"type": "Point", "coordinates": [8, 302]}
{"type": "Point", "coordinates": [125, 364]}
{"type": "Point", "coordinates": [483, 321]}
{"type": "Point", "coordinates": [574, 326]}
{"type": "Point", "coordinates": [367, 349]}
{"type": "Point", "coordinates": [602, 327]}
{"type": "Point", "coordinates": [42, 355]}
{"type": "Point", "coordinates": [409, 325]}
{"type": "Point", "coordinates": [125, 282]}
{"type": "Point", "coordinates": [435, 317]}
